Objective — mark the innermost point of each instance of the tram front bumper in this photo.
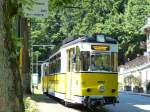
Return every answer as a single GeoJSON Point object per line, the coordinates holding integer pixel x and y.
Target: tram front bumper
{"type": "Point", "coordinates": [98, 100]}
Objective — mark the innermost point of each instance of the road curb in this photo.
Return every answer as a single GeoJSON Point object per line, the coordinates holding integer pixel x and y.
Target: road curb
{"type": "Point", "coordinates": [141, 94]}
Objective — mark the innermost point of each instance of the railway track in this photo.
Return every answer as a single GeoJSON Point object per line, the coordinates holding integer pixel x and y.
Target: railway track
{"type": "Point", "coordinates": [98, 109]}
{"type": "Point", "coordinates": [78, 108]}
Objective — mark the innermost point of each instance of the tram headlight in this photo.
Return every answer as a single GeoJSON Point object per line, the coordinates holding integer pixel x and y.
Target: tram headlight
{"type": "Point", "coordinates": [101, 88]}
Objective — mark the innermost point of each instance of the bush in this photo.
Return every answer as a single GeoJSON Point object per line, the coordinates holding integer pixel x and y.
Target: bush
{"type": "Point", "coordinates": [138, 89]}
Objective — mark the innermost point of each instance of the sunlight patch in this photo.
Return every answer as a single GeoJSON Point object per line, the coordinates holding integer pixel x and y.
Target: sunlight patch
{"type": "Point", "coordinates": [144, 107]}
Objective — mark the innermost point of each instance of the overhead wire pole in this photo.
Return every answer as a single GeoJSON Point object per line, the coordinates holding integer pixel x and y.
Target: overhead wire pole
{"type": "Point", "coordinates": [23, 33]}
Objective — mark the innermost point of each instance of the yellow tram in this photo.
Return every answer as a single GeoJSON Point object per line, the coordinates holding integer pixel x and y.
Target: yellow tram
{"type": "Point", "coordinates": [84, 70]}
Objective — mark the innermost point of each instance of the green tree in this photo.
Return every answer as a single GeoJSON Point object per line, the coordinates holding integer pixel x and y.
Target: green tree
{"type": "Point", "coordinates": [122, 19]}
{"type": "Point", "coordinates": [134, 19]}
{"type": "Point", "coordinates": [11, 97]}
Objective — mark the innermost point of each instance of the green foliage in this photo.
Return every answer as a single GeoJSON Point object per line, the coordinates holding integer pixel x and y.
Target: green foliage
{"type": "Point", "coordinates": [15, 39]}
{"type": "Point", "coordinates": [29, 105]}
{"type": "Point", "coordinates": [134, 18]}
{"type": "Point", "coordinates": [122, 19]}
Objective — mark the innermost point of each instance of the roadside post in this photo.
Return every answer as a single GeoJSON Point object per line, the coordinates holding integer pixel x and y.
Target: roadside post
{"type": "Point", "coordinates": [34, 82]}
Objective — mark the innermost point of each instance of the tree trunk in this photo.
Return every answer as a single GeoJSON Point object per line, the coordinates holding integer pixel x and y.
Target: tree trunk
{"type": "Point", "coordinates": [11, 97]}
{"type": "Point", "coordinates": [26, 78]}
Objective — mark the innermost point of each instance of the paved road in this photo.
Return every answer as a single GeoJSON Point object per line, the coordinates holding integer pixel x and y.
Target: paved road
{"type": "Point", "coordinates": [130, 103]}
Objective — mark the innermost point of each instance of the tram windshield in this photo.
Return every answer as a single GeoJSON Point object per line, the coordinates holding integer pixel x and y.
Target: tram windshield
{"type": "Point", "coordinates": [99, 62]}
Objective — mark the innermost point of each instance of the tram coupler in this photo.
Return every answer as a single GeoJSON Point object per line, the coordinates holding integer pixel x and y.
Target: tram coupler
{"type": "Point", "coordinates": [93, 102]}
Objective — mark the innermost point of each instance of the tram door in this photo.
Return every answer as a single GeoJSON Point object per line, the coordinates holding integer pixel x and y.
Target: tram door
{"type": "Point", "coordinates": [69, 79]}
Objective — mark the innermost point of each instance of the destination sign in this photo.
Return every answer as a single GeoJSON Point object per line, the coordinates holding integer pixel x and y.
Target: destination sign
{"type": "Point", "coordinates": [100, 47]}
{"type": "Point", "coordinates": [38, 9]}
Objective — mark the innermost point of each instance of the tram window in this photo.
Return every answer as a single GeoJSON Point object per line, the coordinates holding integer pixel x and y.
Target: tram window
{"type": "Point", "coordinates": [70, 61]}
{"type": "Point", "coordinates": [148, 36]}
{"type": "Point", "coordinates": [58, 66]}
{"type": "Point", "coordinates": [52, 67]}
{"type": "Point", "coordinates": [104, 62]}
{"type": "Point", "coordinates": [55, 64]}
{"type": "Point", "coordinates": [74, 58]}
{"type": "Point", "coordinates": [100, 62]}
{"type": "Point", "coordinates": [49, 68]}
{"type": "Point", "coordinates": [78, 63]}
{"type": "Point", "coordinates": [114, 61]}
{"type": "Point", "coordinates": [100, 38]}
{"type": "Point", "coordinates": [59, 62]}
{"type": "Point", "coordinates": [45, 70]}
{"type": "Point", "coordinates": [85, 60]}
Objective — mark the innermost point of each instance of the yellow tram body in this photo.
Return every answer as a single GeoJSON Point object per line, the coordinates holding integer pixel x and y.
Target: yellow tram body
{"type": "Point", "coordinates": [78, 86]}
{"type": "Point", "coordinates": [82, 81]}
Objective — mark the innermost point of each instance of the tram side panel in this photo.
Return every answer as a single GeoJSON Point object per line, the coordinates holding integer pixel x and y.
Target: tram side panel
{"type": "Point", "coordinates": [51, 84]}
{"type": "Point", "coordinates": [45, 84]}
{"type": "Point", "coordinates": [75, 86]}
{"type": "Point", "coordinates": [60, 85]}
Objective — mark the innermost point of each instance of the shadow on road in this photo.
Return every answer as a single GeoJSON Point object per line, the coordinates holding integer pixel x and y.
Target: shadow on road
{"type": "Point", "coordinates": [42, 98]}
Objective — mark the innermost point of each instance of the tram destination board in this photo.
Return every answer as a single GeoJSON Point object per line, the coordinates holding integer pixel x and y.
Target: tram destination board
{"type": "Point", "coordinates": [100, 47]}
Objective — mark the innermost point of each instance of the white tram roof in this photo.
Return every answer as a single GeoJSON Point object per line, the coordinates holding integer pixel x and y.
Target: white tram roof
{"type": "Point", "coordinates": [96, 39]}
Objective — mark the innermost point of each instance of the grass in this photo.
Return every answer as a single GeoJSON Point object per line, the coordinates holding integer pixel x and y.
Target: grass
{"type": "Point", "coordinates": [29, 105]}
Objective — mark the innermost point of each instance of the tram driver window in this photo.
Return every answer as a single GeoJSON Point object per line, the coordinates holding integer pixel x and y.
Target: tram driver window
{"type": "Point", "coordinates": [100, 62]}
